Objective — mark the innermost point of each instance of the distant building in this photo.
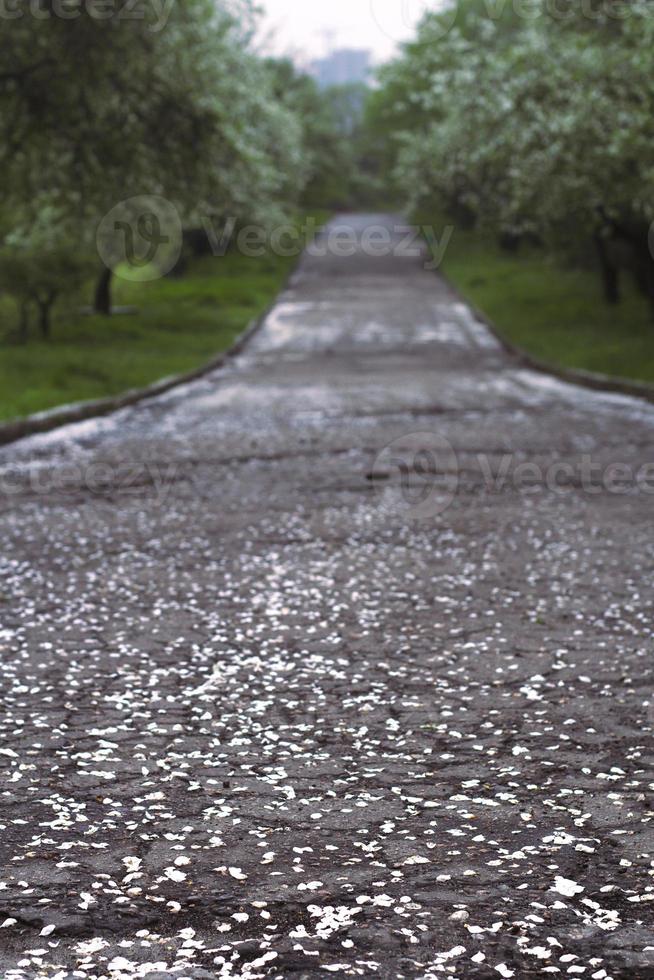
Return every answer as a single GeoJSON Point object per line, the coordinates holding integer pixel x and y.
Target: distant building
{"type": "Point", "coordinates": [345, 66]}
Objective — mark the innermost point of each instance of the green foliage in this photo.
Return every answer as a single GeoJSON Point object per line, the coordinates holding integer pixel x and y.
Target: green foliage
{"type": "Point", "coordinates": [95, 110]}
{"type": "Point", "coordinates": [536, 127]}
{"type": "Point", "coordinates": [178, 325]}
{"type": "Point", "coordinates": [39, 262]}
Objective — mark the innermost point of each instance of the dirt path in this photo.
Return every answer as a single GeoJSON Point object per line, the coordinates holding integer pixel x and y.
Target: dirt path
{"type": "Point", "coordinates": [281, 701]}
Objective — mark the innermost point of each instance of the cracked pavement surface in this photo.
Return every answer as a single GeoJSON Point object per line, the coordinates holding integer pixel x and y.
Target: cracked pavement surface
{"type": "Point", "coordinates": [275, 707]}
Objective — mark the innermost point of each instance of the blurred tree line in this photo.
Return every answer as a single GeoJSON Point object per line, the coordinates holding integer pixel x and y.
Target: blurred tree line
{"type": "Point", "coordinates": [533, 120]}
{"type": "Point", "coordinates": [97, 109]}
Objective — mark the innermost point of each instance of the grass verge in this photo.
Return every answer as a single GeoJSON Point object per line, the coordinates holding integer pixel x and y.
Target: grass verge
{"type": "Point", "coordinates": [554, 313]}
{"type": "Point", "coordinates": [180, 324]}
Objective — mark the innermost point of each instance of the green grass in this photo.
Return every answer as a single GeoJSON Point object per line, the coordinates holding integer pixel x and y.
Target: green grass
{"type": "Point", "coordinates": [180, 324]}
{"type": "Point", "coordinates": [555, 313]}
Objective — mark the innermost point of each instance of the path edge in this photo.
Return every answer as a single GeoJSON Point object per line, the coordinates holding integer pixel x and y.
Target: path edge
{"type": "Point", "coordinates": [55, 418]}
{"type": "Point", "coordinates": [577, 376]}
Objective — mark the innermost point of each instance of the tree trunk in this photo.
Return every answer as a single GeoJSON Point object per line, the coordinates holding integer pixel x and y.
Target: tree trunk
{"type": "Point", "coordinates": [102, 299]}
{"type": "Point", "coordinates": [608, 271]}
{"type": "Point", "coordinates": [23, 323]}
{"type": "Point", "coordinates": [45, 310]}
{"type": "Point", "coordinates": [638, 235]}
{"type": "Point", "coordinates": [648, 263]}
{"type": "Point", "coordinates": [44, 319]}
{"type": "Point", "coordinates": [643, 267]}
{"type": "Point", "coordinates": [509, 242]}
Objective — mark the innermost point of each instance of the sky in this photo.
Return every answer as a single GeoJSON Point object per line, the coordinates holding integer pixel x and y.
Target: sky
{"type": "Point", "coordinates": [309, 28]}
